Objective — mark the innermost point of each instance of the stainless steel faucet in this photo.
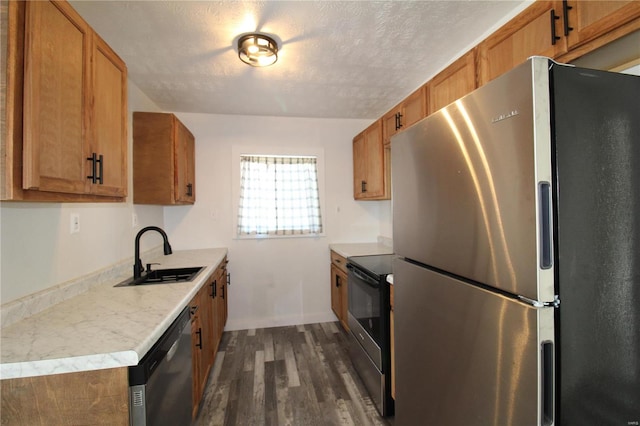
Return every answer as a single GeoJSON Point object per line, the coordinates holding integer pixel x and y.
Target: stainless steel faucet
{"type": "Point", "coordinates": [138, 269]}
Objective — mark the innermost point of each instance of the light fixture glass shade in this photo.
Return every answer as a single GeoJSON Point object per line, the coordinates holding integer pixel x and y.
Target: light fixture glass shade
{"type": "Point", "coordinates": [257, 50]}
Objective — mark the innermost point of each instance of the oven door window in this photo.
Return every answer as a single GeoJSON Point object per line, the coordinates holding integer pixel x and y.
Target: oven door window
{"type": "Point", "coordinates": [364, 303]}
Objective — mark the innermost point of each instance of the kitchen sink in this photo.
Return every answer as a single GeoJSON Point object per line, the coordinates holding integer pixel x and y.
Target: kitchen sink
{"type": "Point", "coordinates": [164, 276]}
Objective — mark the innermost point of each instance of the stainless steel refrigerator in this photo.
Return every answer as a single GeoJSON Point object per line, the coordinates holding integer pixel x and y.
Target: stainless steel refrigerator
{"type": "Point", "coordinates": [516, 216]}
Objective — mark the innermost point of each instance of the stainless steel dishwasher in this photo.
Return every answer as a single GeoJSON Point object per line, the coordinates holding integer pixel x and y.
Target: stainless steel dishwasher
{"type": "Point", "coordinates": [160, 386]}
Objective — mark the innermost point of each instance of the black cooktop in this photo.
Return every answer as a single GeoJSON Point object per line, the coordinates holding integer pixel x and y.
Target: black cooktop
{"type": "Point", "coordinates": [379, 264]}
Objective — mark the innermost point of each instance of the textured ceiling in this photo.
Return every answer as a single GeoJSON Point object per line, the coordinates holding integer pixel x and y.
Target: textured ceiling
{"type": "Point", "coordinates": [338, 59]}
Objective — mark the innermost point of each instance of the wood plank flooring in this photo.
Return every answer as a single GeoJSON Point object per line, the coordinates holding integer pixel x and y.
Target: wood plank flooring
{"type": "Point", "coordinates": [297, 375]}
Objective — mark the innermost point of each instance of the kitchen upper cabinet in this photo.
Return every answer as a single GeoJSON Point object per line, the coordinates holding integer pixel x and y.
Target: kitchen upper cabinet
{"type": "Point", "coordinates": [371, 165]}
{"type": "Point", "coordinates": [586, 20]}
{"type": "Point", "coordinates": [457, 80]}
{"type": "Point", "coordinates": [412, 109]}
{"type": "Point", "coordinates": [535, 31]}
{"type": "Point", "coordinates": [163, 160]}
{"type": "Point", "coordinates": [66, 93]}
{"type": "Point", "coordinates": [339, 288]}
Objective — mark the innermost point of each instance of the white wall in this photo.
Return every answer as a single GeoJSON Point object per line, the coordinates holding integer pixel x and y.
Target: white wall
{"type": "Point", "coordinates": [37, 251]}
{"type": "Point", "coordinates": [274, 281]}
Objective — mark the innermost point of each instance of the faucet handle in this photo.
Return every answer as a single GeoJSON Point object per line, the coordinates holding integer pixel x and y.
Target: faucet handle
{"type": "Point", "coordinates": [149, 266]}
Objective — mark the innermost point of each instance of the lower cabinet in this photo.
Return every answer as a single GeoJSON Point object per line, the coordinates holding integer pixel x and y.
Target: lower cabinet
{"type": "Point", "coordinates": [208, 318]}
{"type": "Point", "coordinates": [221, 282]}
{"type": "Point", "coordinates": [97, 397]}
{"type": "Point", "coordinates": [339, 292]}
{"type": "Point", "coordinates": [101, 397]}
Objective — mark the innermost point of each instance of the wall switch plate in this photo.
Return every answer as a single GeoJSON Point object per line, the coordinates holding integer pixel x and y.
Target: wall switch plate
{"type": "Point", "coordinates": [74, 223]}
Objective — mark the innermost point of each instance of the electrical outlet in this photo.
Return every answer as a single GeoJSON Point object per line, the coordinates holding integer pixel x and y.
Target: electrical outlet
{"type": "Point", "coordinates": [134, 220]}
{"type": "Point", "coordinates": [74, 223]}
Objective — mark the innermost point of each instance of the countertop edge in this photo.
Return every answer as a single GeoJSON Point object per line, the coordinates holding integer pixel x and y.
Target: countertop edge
{"type": "Point", "coordinates": [46, 367]}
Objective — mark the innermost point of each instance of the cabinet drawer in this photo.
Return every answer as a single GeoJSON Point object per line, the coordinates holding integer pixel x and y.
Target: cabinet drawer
{"type": "Point", "coordinates": [339, 261]}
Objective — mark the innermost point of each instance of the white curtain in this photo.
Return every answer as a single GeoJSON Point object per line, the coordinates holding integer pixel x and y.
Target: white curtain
{"type": "Point", "coordinates": [278, 196]}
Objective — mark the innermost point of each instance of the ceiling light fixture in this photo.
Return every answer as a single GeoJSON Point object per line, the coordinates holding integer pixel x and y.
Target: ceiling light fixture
{"type": "Point", "coordinates": [257, 50]}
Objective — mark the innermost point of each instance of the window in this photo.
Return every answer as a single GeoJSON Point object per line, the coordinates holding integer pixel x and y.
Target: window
{"type": "Point", "coordinates": [278, 196]}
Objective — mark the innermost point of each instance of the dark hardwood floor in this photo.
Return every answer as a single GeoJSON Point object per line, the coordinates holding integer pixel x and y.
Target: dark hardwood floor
{"type": "Point", "coordinates": [297, 375]}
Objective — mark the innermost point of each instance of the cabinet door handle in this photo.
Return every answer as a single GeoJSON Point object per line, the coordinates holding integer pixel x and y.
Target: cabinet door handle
{"type": "Point", "coordinates": [398, 120]}
{"type": "Point", "coordinates": [554, 18]}
{"type": "Point", "coordinates": [222, 288]}
{"type": "Point", "coordinates": [96, 175]}
{"type": "Point", "coordinates": [565, 15]}
{"type": "Point", "coordinates": [193, 310]}
{"type": "Point", "coordinates": [199, 333]}
{"type": "Point", "coordinates": [338, 284]}
{"type": "Point", "coordinates": [363, 186]}
{"type": "Point", "coordinates": [213, 289]}
{"type": "Point", "coordinates": [101, 171]}
{"type": "Point", "coordinates": [190, 189]}
{"type": "Point", "coordinates": [93, 159]}
{"type": "Point", "coordinates": [229, 278]}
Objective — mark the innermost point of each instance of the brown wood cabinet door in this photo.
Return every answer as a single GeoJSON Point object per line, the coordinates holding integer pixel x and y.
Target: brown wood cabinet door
{"type": "Point", "coordinates": [344, 299]}
{"type": "Point", "coordinates": [184, 164]}
{"type": "Point", "coordinates": [224, 304]}
{"type": "Point", "coordinates": [369, 165]}
{"type": "Point", "coordinates": [457, 80]}
{"type": "Point", "coordinates": [196, 352]}
{"type": "Point", "coordinates": [375, 167]}
{"type": "Point", "coordinates": [339, 295]}
{"type": "Point", "coordinates": [206, 322]}
{"type": "Point", "coordinates": [528, 34]}
{"type": "Point", "coordinates": [57, 54]}
{"type": "Point", "coordinates": [414, 108]}
{"type": "Point", "coordinates": [587, 20]}
{"type": "Point", "coordinates": [94, 397]}
{"type": "Point", "coordinates": [335, 292]}
{"type": "Point", "coordinates": [215, 334]}
{"type": "Point", "coordinates": [390, 124]}
{"type": "Point", "coordinates": [109, 118]}
{"type": "Point", "coordinates": [359, 166]}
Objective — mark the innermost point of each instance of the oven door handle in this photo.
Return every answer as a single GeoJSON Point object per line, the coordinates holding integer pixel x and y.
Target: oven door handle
{"type": "Point", "coordinates": [368, 280]}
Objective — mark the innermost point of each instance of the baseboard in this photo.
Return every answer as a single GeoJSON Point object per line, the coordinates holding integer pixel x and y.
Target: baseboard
{"type": "Point", "coordinates": [281, 321]}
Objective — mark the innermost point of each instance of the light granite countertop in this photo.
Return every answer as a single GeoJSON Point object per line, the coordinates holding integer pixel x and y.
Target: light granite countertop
{"type": "Point", "coordinates": [104, 327]}
{"type": "Point", "coordinates": [360, 249]}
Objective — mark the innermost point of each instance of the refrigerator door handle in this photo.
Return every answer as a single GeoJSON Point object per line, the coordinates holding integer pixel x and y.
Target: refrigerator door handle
{"type": "Point", "coordinates": [545, 226]}
{"type": "Point", "coordinates": [546, 384]}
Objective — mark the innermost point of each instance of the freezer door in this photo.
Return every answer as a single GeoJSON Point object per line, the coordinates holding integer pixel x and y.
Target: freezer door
{"type": "Point", "coordinates": [466, 356]}
{"type": "Point", "coordinates": [468, 182]}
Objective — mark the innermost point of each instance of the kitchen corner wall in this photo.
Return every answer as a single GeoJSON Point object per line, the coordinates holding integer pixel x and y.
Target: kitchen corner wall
{"type": "Point", "coordinates": [37, 250]}
{"type": "Point", "coordinates": [274, 281]}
